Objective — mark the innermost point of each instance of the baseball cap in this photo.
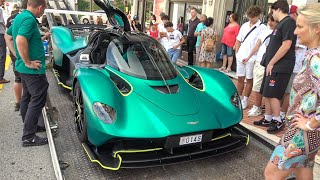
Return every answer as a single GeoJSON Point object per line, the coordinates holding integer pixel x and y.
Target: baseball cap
{"type": "Point", "coordinates": [135, 17]}
{"type": "Point", "coordinates": [293, 9]}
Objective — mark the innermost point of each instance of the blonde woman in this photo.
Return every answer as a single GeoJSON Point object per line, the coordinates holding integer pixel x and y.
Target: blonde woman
{"type": "Point", "coordinates": [299, 145]}
{"type": "Point", "coordinates": [206, 58]}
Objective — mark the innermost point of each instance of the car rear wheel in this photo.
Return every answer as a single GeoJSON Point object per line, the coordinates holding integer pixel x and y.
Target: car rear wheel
{"type": "Point", "coordinates": [79, 115]}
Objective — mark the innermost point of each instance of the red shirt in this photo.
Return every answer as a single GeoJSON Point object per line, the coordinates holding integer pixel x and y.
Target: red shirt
{"type": "Point", "coordinates": [230, 34]}
{"type": "Point", "coordinates": [154, 34]}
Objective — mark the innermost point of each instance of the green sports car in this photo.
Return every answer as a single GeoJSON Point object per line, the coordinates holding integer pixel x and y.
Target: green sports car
{"type": "Point", "coordinates": [134, 108]}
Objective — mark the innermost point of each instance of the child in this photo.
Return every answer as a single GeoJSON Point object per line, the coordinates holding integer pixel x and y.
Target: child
{"type": "Point", "coordinates": [153, 32]}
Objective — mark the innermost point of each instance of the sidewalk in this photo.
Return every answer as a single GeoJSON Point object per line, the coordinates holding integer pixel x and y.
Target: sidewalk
{"type": "Point", "coordinates": [19, 162]}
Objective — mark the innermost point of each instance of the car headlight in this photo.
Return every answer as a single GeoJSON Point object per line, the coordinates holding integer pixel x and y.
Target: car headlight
{"type": "Point", "coordinates": [106, 113]}
{"type": "Point", "coordinates": [235, 100]}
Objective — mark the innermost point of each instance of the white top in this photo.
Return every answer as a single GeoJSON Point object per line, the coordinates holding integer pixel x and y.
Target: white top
{"type": "Point", "coordinates": [262, 37]}
{"type": "Point", "coordinates": [164, 40]}
{"type": "Point", "coordinates": [250, 41]}
{"type": "Point", "coordinates": [300, 52]}
{"type": "Point", "coordinates": [174, 39]}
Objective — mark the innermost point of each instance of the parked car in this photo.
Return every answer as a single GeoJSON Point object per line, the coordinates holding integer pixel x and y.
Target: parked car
{"type": "Point", "coordinates": [93, 19]}
{"type": "Point", "coordinates": [133, 107]}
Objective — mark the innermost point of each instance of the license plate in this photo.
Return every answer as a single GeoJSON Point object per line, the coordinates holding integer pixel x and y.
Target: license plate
{"type": "Point", "coordinates": [190, 139]}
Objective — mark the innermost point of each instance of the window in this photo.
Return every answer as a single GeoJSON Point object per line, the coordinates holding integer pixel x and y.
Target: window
{"type": "Point", "coordinates": [146, 60]}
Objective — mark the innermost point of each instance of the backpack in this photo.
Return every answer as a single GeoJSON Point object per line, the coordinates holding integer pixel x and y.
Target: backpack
{"type": "Point", "coordinates": [209, 44]}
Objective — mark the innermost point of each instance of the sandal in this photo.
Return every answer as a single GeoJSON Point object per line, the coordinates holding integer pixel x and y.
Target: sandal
{"type": "Point", "coordinates": [222, 69]}
{"type": "Point", "coordinates": [227, 70]}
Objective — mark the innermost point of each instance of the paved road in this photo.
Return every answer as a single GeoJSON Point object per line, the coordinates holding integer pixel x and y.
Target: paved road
{"type": "Point", "coordinates": [246, 164]}
{"type": "Point", "coordinates": [17, 162]}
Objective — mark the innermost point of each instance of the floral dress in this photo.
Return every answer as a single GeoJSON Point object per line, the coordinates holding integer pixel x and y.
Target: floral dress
{"type": "Point", "coordinates": [298, 148]}
{"type": "Point", "coordinates": [205, 55]}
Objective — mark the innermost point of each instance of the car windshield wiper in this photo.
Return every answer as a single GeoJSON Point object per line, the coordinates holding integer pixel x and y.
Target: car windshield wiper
{"type": "Point", "coordinates": [155, 64]}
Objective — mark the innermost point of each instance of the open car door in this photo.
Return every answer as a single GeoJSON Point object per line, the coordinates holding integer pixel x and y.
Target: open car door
{"type": "Point", "coordinates": [116, 17]}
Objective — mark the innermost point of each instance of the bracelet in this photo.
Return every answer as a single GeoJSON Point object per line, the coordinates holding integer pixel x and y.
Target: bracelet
{"type": "Point", "coordinates": [308, 126]}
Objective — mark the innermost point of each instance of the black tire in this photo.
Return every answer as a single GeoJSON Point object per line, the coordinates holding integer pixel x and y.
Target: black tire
{"type": "Point", "coordinates": [79, 114]}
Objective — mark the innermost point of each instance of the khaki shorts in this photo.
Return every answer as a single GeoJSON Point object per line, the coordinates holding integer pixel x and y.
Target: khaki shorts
{"type": "Point", "coordinates": [258, 73]}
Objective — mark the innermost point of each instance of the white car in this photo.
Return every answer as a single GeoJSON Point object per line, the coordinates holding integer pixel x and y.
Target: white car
{"type": "Point", "coordinates": [88, 20]}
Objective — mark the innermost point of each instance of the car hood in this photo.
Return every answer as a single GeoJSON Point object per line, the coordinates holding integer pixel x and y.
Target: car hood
{"type": "Point", "coordinates": [115, 16]}
{"type": "Point", "coordinates": [183, 100]}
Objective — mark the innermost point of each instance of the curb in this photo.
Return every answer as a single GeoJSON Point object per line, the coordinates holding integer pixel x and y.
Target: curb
{"type": "Point", "coordinates": [270, 138]}
{"type": "Point", "coordinates": [53, 152]}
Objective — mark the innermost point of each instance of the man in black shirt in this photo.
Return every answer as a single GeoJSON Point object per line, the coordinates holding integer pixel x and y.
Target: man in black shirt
{"type": "Point", "coordinates": [191, 40]}
{"type": "Point", "coordinates": [279, 62]}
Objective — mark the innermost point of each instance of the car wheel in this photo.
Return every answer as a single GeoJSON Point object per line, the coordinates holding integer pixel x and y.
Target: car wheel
{"type": "Point", "coordinates": [85, 21]}
{"type": "Point", "coordinates": [79, 115]}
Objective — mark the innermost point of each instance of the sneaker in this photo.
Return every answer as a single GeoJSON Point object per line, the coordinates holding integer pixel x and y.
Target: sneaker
{"type": "Point", "coordinates": [34, 141]}
{"type": "Point", "coordinates": [275, 126]}
{"type": "Point", "coordinates": [262, 122]}
{"type": "Point", "coordinates": [255, 112]}
{"type": "Point", "coordinates": [3, 81]}
{"type": "Point", "coordinates": [17, 107]}
{"type": "Point", "coordinates": [244, 104]}
{"type": "Point", "coordinates": [252, 109]}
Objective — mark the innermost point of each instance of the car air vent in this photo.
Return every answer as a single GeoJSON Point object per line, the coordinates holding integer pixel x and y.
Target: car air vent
{"type": "Point", "coordinates": [122, 85]}
{"type": "Point", "coordinates": [163, 89]}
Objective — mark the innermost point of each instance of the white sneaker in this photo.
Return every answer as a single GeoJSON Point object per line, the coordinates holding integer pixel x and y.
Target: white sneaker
{"type": "Point", "coordinates": [252, 109]}
{"type": "Point", "coordinates": [256, 112]}
{"type": "Point", "coordinates": [244, 104]}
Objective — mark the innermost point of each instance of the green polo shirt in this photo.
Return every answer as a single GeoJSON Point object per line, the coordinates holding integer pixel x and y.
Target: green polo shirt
{"type": "Point", "coordinates": [25, 24]}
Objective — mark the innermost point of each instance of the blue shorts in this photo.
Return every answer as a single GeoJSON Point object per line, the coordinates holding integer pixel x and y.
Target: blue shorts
{"type": "Point", "coordinates": [174, 54]}
{"type": "Point", "coordinates": [227, 50]}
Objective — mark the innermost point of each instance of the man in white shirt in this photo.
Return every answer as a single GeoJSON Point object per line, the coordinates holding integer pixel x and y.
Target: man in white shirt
{"type": "Point", "coordinates": [163, 32]}
{"type": "Point", "coordinates": [175, 40]}
{"type": "Point", "coordinates": [245, 42]}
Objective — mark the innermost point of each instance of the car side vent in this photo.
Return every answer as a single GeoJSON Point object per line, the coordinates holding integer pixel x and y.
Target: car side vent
{"type": "Point", "coordinates": [123, 86]}
{"type": "Point", "coordinates": [163, 89]}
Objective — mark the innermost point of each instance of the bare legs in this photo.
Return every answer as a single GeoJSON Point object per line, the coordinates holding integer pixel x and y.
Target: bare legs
{"type": "Point", "coordinates": [17, 88]}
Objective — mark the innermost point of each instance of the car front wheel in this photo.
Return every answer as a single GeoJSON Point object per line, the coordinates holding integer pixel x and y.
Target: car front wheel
{"type": "Point", "coordinates": [79, 115]}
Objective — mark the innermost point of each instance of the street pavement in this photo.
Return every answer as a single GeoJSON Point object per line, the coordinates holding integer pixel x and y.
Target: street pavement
{"type": "Point", "coordinates": [17, 162]}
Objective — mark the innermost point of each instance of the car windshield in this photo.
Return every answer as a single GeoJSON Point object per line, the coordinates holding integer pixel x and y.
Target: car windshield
{"type": "Point", "coordinates": [146, 60]}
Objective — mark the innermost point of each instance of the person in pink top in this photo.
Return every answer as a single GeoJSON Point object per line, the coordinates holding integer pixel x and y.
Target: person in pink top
{"type": "Point", "coordinates": [228, 40]}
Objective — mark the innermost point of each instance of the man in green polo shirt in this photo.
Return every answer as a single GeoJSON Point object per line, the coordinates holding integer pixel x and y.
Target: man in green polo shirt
{"type": "Point", "coordinates": [24, 37]}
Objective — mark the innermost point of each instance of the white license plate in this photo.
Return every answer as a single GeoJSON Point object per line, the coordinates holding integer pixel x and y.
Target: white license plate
{"type": "Point", "coordinates": [190, 139]}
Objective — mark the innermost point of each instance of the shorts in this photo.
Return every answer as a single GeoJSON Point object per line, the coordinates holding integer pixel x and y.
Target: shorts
{"type": "Point", "coordinates": [274, 86]}
{"type": "Point", "coordinates": [245, 69]}
{"type": "Point", "coordinates": [17, 77]}
{"type": "Point", "coordinates": [258, 73]}
{"type": "Point", "coordinates": [227, 50]}
{"type": "Point", "coordinates": [293, 75]}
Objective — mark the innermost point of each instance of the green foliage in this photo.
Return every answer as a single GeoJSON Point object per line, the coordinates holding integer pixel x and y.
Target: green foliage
{"type": "Point", "coordinates": [83, 5]}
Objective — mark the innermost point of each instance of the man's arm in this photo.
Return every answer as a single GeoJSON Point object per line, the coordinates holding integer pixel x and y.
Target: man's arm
{"type": "Point", "coordinates": [182, 40]}
{"type": "Point", "coordinates": [237, 46]}
{"type": "Point", "coordinates": [253, 51]}
{"type": "Point", "coordinates": [284, 48]}
{"type": "Point", "coordinates": [9, 42]}
{"type": "Point", "coordinates": [23, 49]}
